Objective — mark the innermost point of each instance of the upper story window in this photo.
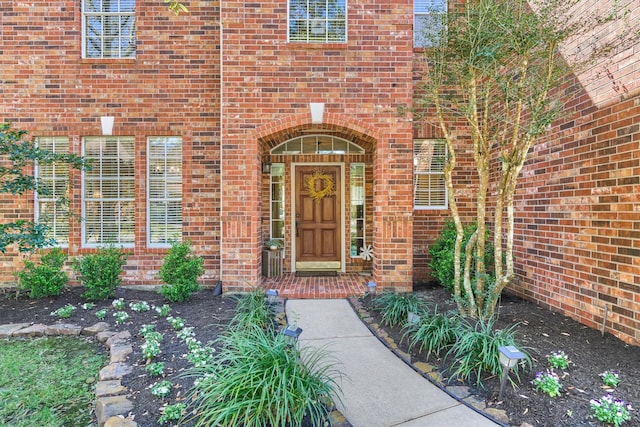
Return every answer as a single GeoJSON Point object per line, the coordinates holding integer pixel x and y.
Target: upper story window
{"type": "Point", "coordinates": [318, 21]}
{"type": "Point", "coordinates": [108, 28]}
{"type": "Point", "coordinates": [429, 21]}
{"type": "Point", "coordinates": [429, 187]}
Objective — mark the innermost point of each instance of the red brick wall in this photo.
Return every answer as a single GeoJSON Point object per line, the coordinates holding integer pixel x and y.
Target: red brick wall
{"type": "Point", "coordinates": [170, 88]}
{"type": "Point", "coordinates": [268, 84]}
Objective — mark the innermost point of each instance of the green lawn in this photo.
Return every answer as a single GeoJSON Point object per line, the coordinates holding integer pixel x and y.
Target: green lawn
{"type": "Point", "coordinates": [44, 381]}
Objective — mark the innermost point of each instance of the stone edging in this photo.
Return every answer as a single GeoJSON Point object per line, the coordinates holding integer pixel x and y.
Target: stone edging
{"type": "Point", "coordinates": [112, 405]}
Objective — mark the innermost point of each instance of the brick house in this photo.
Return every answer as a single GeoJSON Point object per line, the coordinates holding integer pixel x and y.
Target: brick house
{"type": "Point", "coordinates": [214, 140]}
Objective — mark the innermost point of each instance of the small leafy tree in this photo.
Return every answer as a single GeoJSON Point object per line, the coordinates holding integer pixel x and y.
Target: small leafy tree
{"type": "Point", "coordinates": [17, 157]}
{"type": "Point", "coordinates": [100, 272]}
{"type": "Point", "coordinates": [46, 278]}
{"type": "Point", "coordinates": [496, 70]}
{"type": "Point", "coordinates": [180, 271]}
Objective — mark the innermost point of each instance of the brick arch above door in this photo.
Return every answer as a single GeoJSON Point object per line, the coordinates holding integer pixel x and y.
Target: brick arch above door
{"type": "Point", "coordinates": [339, 125]}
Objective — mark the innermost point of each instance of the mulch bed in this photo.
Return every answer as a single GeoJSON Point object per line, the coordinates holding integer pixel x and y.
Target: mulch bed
{"type": "Point", "coordinates": [206, 313]}
{"type": "Point", "coordinates": [542, 332]}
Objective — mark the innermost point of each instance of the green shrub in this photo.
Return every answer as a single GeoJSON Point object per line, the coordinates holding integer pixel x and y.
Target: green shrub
{"type": "Point", "coordinates": [435, 332]}
{"type": "Point", "coordinates": [442, 255]}
{"type": "Point", "coordinates": [180, 271]}
{"type": "Point", "coordinates": [395, 306]}
{"type": "Point", "coordinates": [47, 278]}
{"type": "Point", "coordinates": [475, 349]}
{"type": "Point", "coordinates": [100, 273]}
{"type": "Point", "coordinates": [259, 379]}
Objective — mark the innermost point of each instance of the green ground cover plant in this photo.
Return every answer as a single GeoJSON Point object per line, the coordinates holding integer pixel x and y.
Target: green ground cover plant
{"type": "Point", "coordinates": [44, 381]}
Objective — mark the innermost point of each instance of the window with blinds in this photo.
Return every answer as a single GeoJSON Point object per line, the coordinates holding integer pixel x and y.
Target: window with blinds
{"type": "Point", "coordinates": [429, 188]}
{"type": "Point", "coordinates": [429, 22]}
{"type": "Point", "coordinates": [51, 207]}
{"type": "Point", "coordinates": [318, 21]}
{"type": "Point", "coordinates": [109, 28]}
{"type": "Point", "coordinates": [108, 196]}
{"type": "Point", "coordinates": [164, 190]}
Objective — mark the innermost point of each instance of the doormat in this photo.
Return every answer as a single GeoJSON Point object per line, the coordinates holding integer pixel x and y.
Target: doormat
{"type": "Point", "coordinates": [316, 273]}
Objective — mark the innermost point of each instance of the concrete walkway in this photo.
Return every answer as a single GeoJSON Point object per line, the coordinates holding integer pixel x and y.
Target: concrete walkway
{"type": "Point", "coordinates": [379, 390]}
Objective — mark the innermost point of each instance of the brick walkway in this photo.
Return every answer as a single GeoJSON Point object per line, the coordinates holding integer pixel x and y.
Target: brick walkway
{"type": "Point", "coordinates": [343, 285]}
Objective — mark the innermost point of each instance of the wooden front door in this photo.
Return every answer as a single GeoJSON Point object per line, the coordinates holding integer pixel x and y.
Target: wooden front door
{"type": "Point", "coordinates": [318, 222]}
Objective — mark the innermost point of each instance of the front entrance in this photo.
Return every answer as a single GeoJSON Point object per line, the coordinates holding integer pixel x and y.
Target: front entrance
{"type": "Point", "coordinates": [318, 217]}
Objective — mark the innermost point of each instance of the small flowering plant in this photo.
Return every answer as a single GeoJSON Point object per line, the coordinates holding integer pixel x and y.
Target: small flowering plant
{"type": "Point", "coordinates": [163, 310]}
{"type": "Point", "coordinates": [162, 388]}
{"type": "Point", "coordinates": [547, 382]}
{"type": "Point", "coordinates": [64, 312]}
{"type": "Point", "coordinates": [87, 306]}
{"type": "Point", "coordinates": [185, 333]}
{"type": "Point", "coordinates": [118, 304]}
{"type": "Point", "coordinates": [150, 349]}
{"type": "Point", "coordinates": [558, 360]}
{"type": "Point", "coordinates": [102, 313]}
{"type": "Point", "coordinates": [176, 322]}
{"type": "Point", "coordinates": [121, 317]}
{"type": "Point", "coordinates": [172, 413]}
{"type": "Point", "coordinates": [611, 411]}
{"type": "Point", "coordinates": [145, 329]}
{"type": "Point", "coordinates": [155, 369]}
{"type": "Point", "coordinates": [610, 379]}
{"type": "Point", "coordinates": [139, 307]}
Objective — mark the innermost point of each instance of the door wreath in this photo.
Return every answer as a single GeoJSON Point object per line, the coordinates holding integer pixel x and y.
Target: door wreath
{"type": "Point", "coordinates": [327, 185]}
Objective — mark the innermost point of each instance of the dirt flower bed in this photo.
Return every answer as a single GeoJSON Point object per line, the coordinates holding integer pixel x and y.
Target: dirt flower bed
{"type": "Point", "coordinates": [207, 314]}
{"type": "Point", "coordinates": [544, 333]}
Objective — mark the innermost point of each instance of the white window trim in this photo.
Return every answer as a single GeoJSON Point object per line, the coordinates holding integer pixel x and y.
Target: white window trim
{"type": "Point", "coordinates": [84, 202]}
{"type": "Point", "coordinates": [346, 27]}
{"type": "Point", "coordinates": [86, 14]}
{"type": "Point", "coordinates": [158, 199]}
{"type": "Point", "coordinates": [427, 13]}
{"type": "Point", "coordinates": [37, 198]}
{"type": "Point", "coordinates": [364, 207]}
{"type": "Point", "coordinates": [446, 191]}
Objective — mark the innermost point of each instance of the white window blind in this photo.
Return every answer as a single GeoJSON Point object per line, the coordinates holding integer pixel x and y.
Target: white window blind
{"type": "Point", "coordinates": [164, 190]}
{"type": "Point", "coordinates": [429, 188]}
{"type": "Point", "coordinates": [429, 21]}
{"type": "Point", "coordinates": [109, 28]}
{"type": "Point", "coordinates": [319, 21]}
{"type": "Point", "coordinates": [109, 192]}
{"type": "Point", "coordinates": [53, 188]}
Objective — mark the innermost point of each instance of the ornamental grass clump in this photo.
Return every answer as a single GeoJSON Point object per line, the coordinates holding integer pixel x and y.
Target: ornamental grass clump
{"type": "Point", "coordinates": [259, 379]}
{"type": "Point", "coordinates": [396, 306]}
{"type": "Point", "coordinates": [609, 410]}
{"type": "Point", "coordinates": [475, 350]}
{"type": "Point", "coordinates": [252, 309]}
{"type": "Point", "coordinates": [435, 333]}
